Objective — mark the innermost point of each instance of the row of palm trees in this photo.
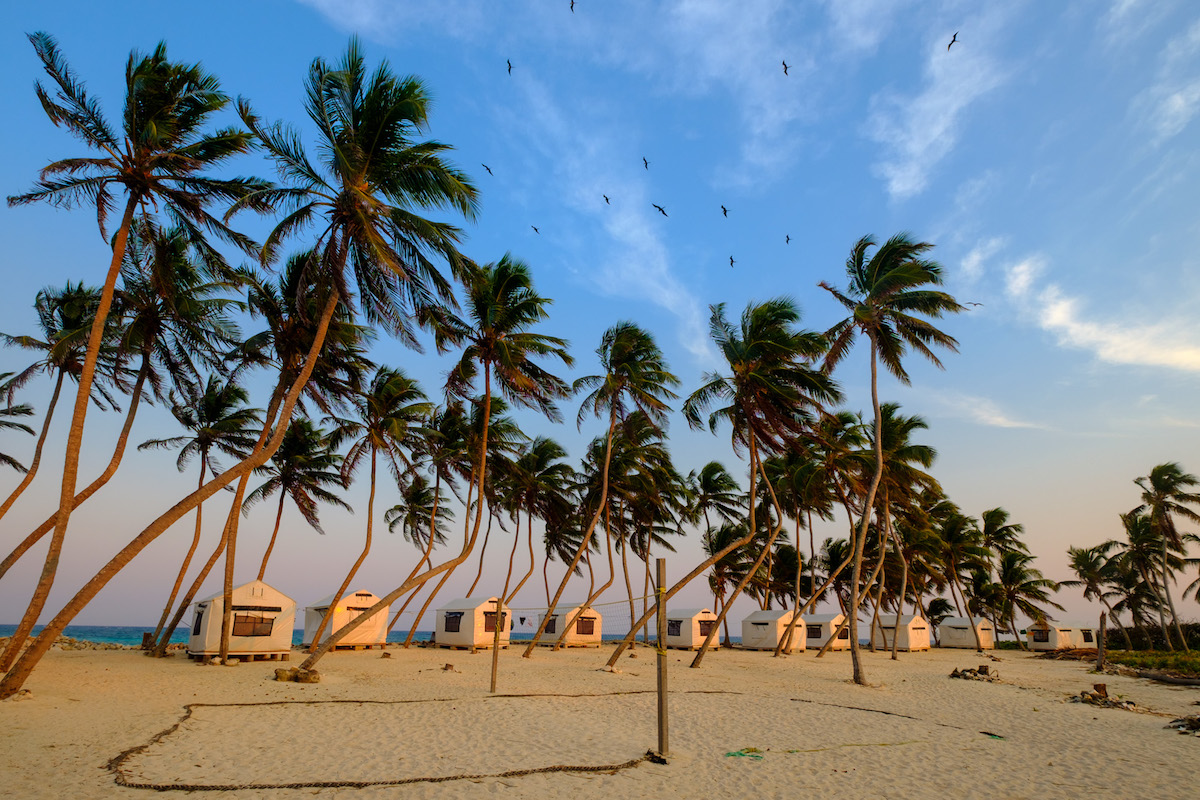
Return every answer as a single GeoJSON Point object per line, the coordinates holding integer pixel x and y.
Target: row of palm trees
{"type": "Point", "coordinates": [1134, 575]}
{"type": "Point", "coordinates": [164, 327]}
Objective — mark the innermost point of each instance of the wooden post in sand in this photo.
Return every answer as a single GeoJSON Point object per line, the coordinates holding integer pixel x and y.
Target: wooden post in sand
{"type": "Point", "coordinates": [1100, 642]}
{"type": "Point", "coordinates": [661, 646]}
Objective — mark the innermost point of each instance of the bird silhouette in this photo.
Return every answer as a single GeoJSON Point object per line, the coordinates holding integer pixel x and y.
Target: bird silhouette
{"type": "Point", "coordinates": [785, 68]}
{"type": "Point", "coordinates": [787, 239]}
{"type": "Point", "coordinates": [731, 262]}
{"type": "Point", "coordinates": [606, 200]}
{"type": "Point", "coordinates": [535, 230]}
{"type": "Point", "coordinates": [506, 61]}
{"type": "Point", "coordinates": [572, 6]}
{"type": "Point", "coordinates": [952, 41]}
{"type": "Point", "coordinates": [974, 304]}
{"type": "Point", "coordinates": [661, 210]}
{"type": "Point", "coordinates": [645, 162]}
{"type": "Point", "coordinates": [489, 169]}
{"type": "Point", "coordinates": [725, 211]}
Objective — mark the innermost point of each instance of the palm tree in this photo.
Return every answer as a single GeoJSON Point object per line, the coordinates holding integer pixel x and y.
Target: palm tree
{"type": "Point", "coordinates": [886, 293]}
{"type": "Point", "coordinates": [714, 489]}
{"type": "Point", "coordinates": [1022, 589]}
{"type": "Point", "coordinates": [729, 568]}
{"type": "Point", "coordinates": [303, 468]}
{"type": "Point", "coordinates": [218, 420]}
{"type": "Point", "coordinates": [998, 535]}
{"type": "Point", "coordinates": [1095, 570]}
{"type": "Point", "coordinates": [7, 414]}
{"type": "Point", "coordinates": [159, 159]}
{"type": "Point", "coordinates": [417, 514]}
{"type": "Point", "coordinates": [636, 376]}
{"type": "Point", "coordinates": [538, 484]}
{"type": "Point", "coordinates": [388, 422]}
{"type": "Point", "coordinates": [1165, 497]}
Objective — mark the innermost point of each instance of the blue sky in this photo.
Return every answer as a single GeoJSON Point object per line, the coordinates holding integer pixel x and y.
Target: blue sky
{"type": "Point", "coordinates": [1047, 155]}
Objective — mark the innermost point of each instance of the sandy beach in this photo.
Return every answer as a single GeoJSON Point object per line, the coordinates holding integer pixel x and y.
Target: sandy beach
{"type": "Point", "coordinates": [917, 733]}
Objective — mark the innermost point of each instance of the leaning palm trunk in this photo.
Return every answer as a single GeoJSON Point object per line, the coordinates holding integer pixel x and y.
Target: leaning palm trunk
{"type": "Point", "coordinates": [625, 569]}
{"type": "Point", "coordinates": [187, 560]}
{"type": "Point", "coordinates": [970, 616]}
{"type": "Point", "coordinates": [1113, 616]}
{"type": "Point", "coordinates": [1158, 606]}
{"type": "Point", "coordinates": [501, 601]}
{"type": "Point", "coordinates": [812, 600]}
{"type": "Point", "coordinates": [1170, 602]}
{"type": "Point", "coordinates": [594, 595]}
{"type": "Point", "coordinates": [354, 569]}
{"type": "Point", "coordinates": [426, 553]}
{"type": "Point", "coordinates": [21, 635]}
{"type": "Point", "coordinates": [846, 622]}
{"type": "Point", "coordinates": [903, 589]}
{"type": "Point", "coordinates": [487, 535]}
{"type": "Point", "coordinates": [37, 450]}
{"type": "Point", "coordinates": [262, 569]}
{"type": "Point", "coordinates": [584, 542]}
{"type": "Point", "coordinates": [164, 638]}
{"type": "Point", "coordinates": [20, 671]}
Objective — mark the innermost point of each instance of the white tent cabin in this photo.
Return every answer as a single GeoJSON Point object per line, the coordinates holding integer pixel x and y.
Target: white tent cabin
{"type": "Point", "coordinates": [913, 634]}
{"type": "Point", "coordinates": [372, 633]}
{"type": "Point", "coordinates": [819, 627]}
{"type": "Point", "coordinates": [687, 628]}
{"type": "Point", "coordinates": [956, 632]}
{"type": "Point", "coordinates": [470, 622]}
{"type": "Point", "coordinates": [1046, 635]}
{"type": "Point", "coordinates": [263, 618]}
{"type": "Point", "coordinates": [586, 631]}
{"type": "Point", "coordinates": [764, 630]}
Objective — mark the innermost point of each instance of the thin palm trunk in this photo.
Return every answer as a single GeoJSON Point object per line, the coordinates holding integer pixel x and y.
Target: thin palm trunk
{"type": "Point", "coordinates": [812, 600]}
{"type": "Point", "coordinates": [427, 552]}
{"type": "Point", "coordinates": [262, 568]}
{"type": "Point", "coordinates": [20, 671]}
{"type": "Point", "coordinates": [845, 608]}
{"type": "Point", "coordinates": [593, 595]}
{"type": "Point", "coordinates": [487, 534]}
{"type": "Point", "coordinates": [1158, 605]}
{"type": "Point", "coordinates": [37, 450]}
{"type": "Point", "coordinates": [1170, 602]}
{"type": "Point", "coordinates": [903, 589]}
{"type": "Point", "coordinates": [860, 675]}
{"type": "Point", "coordinates": [337, 596]}
{"type": "Point", "coordinates": [625, 569]}
{"type": "Point", "coordinates": [187, 559]}
{"type": "Point", "coordinates": [1113, 616]}
{"type": "Point", "coordinates": [164, 638]}
{"type": "Point", "coordinates": [970, 616]}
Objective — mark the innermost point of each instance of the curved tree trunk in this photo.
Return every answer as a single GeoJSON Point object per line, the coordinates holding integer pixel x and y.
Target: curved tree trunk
{"type": "Point", "coordinates": [970, 616]}
{"type": "Point", "coordinates": [187, 559]}
{"type": "Point", "coordinates": [337, 596]}
{"type": "Point", "coordinates": [625, 570]}
{"type": "Point", "coordinates": [164, 638]}
{"type": "Point", "coordinates": [594, 595]}
{"type": "Point", "coordinates": [1113, 616]}
{"type": "Point", "coordinates": [487, 535]}
{"type": "Point", "coordinates": [903, 588]}
{"type": "Point", "coordinates": [1170, 602]}
{"type": "Point", "coordinates": [20, 671]}
{"type": "Point", "coordinates": [262, 569]}
{"type": "Point", "coordinates": [501, 600]}
{"type": "Point", "coordinates": [37, 450]}
{"type": "Point", "coordinates": [426, 553]}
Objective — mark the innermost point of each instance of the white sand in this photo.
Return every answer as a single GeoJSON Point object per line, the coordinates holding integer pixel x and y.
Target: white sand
{"type": "Point", "coordinates": [88, 707]}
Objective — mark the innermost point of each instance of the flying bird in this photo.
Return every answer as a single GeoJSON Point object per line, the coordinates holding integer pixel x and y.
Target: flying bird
{"type": "Point", "coordinates": [645, 162]}
{"type": "Point", "coordinates": [952, 41]}
{"type": "Point", "coordinates": [725, 211]}
{"type": "Point", "coordinates": [785, 68]}
{"type": "Point", "coordinates": [973, 304]}
{"type": "Point", "coordinates": [606, 200]}
{"type": "Point", "coordinates": [787, 239]}
{"type": "Point", "coordinates": [661, 210]}
{"type": "Point", "coordinates": [572, 6]}
{"type": "Point", "coordinates": [535, 230]}
{"type": "Point", "coordinates": [731, 262]}
{"type": "Point", "coordinates": [506, 61]}
{"type": "Point", "coordinates": [489, 169]}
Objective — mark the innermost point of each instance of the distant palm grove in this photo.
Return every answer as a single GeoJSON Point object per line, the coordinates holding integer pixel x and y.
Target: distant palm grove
{"type": "Point", "coordinates": [356, 253]}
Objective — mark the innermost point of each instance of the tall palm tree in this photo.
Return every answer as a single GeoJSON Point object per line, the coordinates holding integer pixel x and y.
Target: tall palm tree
{"type": "Point", "coordinates": [8, 413]}
{"type": "Point", "coordinates": [713, 489]}
{"type": "Point", "coordinates": [218, 420]}
{"type": "Point", "coordinates": [1094, 571]}
{"type": "Point", "coordinates": [636, 376]}
{"type": "Point", "coordinates": [998, 535]}
{"type": "Point", "coordinates": [1023, 589]}
{"type": "Point", "coordinates": [728, 569]}
{"type": "Point", "coordinates": [1165, 496]}
{"type": "Point", "coordinates": [304, 468]}
{"type": "Point", "coordinates": [539, 484]}
{"type": "Point", "coordinates": [159, 159]}
{"type": "Point", "coordinates": [417, 515]}
{"type": "Point", "coordinates": [887, 296]}
{"type": "Point", "coordinates": [364, 197]}
{"type": "Point", "coordinates": [388, 420]}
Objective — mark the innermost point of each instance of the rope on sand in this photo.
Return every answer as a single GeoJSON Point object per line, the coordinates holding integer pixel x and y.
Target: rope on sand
{"type": "Point", "coordinates": [117, 767]}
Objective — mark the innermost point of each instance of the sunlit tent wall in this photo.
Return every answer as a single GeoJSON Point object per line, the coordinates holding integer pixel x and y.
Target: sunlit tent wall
{"type": "Point", "coordinates": [819, 627]}
{"type": "Point", "coordinates": [956, 632]}
{"type": "Point", "coordinates": [263, 618]}
{"type": "Point", "coordinates": [688, 627]}
{"type": "Point", "coordinates": [1046, 635]}
{"type": "Point", "coordinates": [349, 607]}
{"type": "Point", "coordinates": [585, 632]}
{"type": "Point", "coordinates": [764, 630]}
{"type": "Point", "coordinates": [913, 633]}
{"type": "Point", "coordinates": [471, 622]}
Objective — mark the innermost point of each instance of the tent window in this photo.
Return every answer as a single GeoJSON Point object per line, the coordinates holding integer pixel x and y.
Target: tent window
{"type": "Point", "coordinates": [585, 626]}
{"type": "Point", "coordinates": [453, 621]}
{"type": "Point", "coordinates": [759, 624]}
{"type": "Point", "coordinates": [252, 625]}
{"type": "Point", "coordinates": [359, 609]}
{"type": "Point", "coordinates": [552, 624]}
{"type": "Point", "coordinates": [276, 609]}
{"type": "Point", "coordinates": [814, 631]}
{"type": "Point", "coordinates": [196, 623]}
{"type": "Point", "coordinates": [674, 626]}
{"type": "Point", "coordinates": [918, 629]}
{"type": "Point", "coordinates": [489, 621]}
{"type": "Point", "coordinates": [706, 626]}
{"type": "Point", "coordinates": [1087, 636]}
{"type": "Point", "coordinates": [844, 634]}
{"type": "Point", "coordinates": [362, 594]}
{"type": "Point", "coordinates": [1041, 635]}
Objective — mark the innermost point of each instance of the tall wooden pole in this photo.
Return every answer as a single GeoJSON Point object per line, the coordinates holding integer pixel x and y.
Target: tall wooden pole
{"type": "Point", "coordinates": [1100, 642]}
{"type": "Point", "coordinates": [661, 647]}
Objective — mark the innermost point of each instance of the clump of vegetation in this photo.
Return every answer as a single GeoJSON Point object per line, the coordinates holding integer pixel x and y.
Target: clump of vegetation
{"type": "Point", "coordinates": [1186, 664]}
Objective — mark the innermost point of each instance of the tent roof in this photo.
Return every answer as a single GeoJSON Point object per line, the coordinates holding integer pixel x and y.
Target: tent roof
{"type": "Point", "coordinates": [468, 604]}
{"type": "Point", "coordinates": [963, 622]}
{"type": "Point", "coordinates": [237, 589]}
{"type": "Point", "coordinates": [889, 620]}
{"type": "Point", "coordinates": [678, 613]}
{"type": "Point", "coordinates": [814, 619]}
{"type": "Point", "coordinates": [324, 602]}
{"type": "Point", "coordinates": [1065, 625]}
{"type": "Point", "coordinates": [770, 615]}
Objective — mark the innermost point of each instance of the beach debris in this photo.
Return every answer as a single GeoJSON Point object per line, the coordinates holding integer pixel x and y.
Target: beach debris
{"type": "Point", "coordinates": [655, 758]}
{"type": "Point", "coordinates": [991, 735]}
{"type": "Point", "coordinates": [21, 694]}
{"type": "Point", "coordinates": [385, 654]}
{"type": "Point", "coordinates": [1070, 654]}
{"type": "Point", "coordinates": [983, 673]}
{"type": "Point", "coordinates": [746, 752]}
{"type": "Point", "coordinates": [450, 668]}
{"type": "Point", "coordinates": [1189, 725]}
{"type": "Point", "coordinates": [297, 675]}
{"type": "Point", "coordinates": [1099, 697]}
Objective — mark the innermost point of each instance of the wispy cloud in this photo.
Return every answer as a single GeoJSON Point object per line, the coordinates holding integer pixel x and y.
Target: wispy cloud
{"type": "Point", "coordinates": [977, 409]}
{"type": "Point", "coordinates": [1167, 342]}
{"type": "Point", "coordinates": [1173, 100]}
{"type": "Point", "coordinates": [975, 261]}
